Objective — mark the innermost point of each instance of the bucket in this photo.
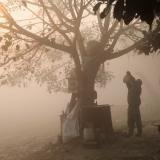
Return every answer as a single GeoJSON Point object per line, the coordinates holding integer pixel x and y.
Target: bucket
{"type": "Point", "coordinates": [88, 134]}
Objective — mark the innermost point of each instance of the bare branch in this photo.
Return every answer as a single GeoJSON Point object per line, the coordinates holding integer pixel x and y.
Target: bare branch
{"type": "Point", "coordinates": [76, 6]}
{"type": "Point", "coordinates": [71, 9]}
{"type": "Point", "coordinates": [88, 3]}
{"type": "Point", "coordinates": [61, 16]}
{"type": "Point", "coordinates": [105, 37]}
{"type": "Point", "coordinates": [107, 22]}
{"type": "Point", "coordinates": [55, 9]}
{"type": "Point", "coordinates": [54, 25]}
{"type": "Point", "coordinates": [109, 55]}
{"type": "Point", "coordinates": [42, 41]}
{"type": "Point", "coordinates": [39, 17]}
{"type": "Point", "coordinates": [100, 23]}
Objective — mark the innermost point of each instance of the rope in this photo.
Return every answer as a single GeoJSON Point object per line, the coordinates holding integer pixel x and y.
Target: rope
{"type": "Point", "coordinates": [128, 65]}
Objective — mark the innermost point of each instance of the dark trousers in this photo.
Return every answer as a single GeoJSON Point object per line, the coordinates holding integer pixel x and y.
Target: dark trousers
{"type": "Point", "coordinates": [134, 120]}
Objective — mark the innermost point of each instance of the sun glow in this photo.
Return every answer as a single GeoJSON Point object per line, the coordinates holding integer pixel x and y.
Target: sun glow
{"type": "Point", "coordinates": [18, 11]}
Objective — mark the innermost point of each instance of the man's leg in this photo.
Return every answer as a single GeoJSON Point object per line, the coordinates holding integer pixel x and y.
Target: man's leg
{"type": "Point", "coordinates": [130, 122]}
{"type": "Point", "coordinates": [138, 122]}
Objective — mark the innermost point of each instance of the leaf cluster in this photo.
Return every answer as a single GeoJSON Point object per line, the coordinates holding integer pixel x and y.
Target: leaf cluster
{"type": "Point", "coordinates": [7, 41]}
{"type": "Point", "coordinates": [128, 10]}
{"type": "Point", "coordinates": [151, 43]}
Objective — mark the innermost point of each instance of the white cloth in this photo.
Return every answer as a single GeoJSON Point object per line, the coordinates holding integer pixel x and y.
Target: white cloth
{"type": "Point", "coordinates": [70, 126]}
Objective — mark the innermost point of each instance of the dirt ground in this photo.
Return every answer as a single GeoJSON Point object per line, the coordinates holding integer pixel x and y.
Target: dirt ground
{"type": "Point", "coordinates": [119, 147]}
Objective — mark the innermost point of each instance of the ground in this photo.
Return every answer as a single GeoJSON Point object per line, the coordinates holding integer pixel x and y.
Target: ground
{"type": "Point", "coordinates": [119, 147]}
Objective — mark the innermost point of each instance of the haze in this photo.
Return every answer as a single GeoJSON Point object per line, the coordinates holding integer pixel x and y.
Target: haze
{"type": "Point", "coordinates": [32, 111]}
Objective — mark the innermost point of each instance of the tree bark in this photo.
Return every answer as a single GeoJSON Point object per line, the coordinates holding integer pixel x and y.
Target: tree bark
{"type": "Point", "coordinates": [87, 93]}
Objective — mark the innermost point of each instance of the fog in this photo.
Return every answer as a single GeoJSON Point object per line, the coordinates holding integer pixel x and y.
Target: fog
{"type": "Point", "coordinates": [29, 110]}
{"type": "Point", "coordinates": [32, 111]}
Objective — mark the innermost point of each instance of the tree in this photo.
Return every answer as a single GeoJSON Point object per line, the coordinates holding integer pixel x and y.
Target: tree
{"type": "Point", "coordinates": [60, 26]}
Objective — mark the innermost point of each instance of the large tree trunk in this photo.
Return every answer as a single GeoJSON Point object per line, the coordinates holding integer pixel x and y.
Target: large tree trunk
{"type": "Point", "coordinates": [88, 94]}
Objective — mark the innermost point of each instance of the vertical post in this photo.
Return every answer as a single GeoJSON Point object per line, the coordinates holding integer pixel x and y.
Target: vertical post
{"type": "Point", "coordinates": [62, 119]}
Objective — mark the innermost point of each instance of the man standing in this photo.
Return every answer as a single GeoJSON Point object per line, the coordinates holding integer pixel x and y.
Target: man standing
{"type": "Point", "coordinates": [137, 117]}
{"type": "Point", "coordinates": [134, 101]}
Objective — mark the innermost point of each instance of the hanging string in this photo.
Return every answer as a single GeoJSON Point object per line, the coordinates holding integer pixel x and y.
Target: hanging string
{"type": "Point", "coordinates": [43, 34]}
{"type": "Point", "coordinates": [128, 65]}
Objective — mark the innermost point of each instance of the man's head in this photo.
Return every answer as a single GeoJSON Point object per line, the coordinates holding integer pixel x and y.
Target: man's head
{"type": "Point", "coordinates": [128, 73]}
{"type": "Point", "coordinates": [128, 79]}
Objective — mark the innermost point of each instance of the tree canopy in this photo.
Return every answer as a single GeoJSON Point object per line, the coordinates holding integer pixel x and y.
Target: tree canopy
{"type": "Point", "coordinates": [39, 37]}
{"type": "Point", "coordinates": [128, 10]}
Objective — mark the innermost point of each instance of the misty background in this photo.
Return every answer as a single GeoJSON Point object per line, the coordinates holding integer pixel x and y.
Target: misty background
{"type": "Point", "coordinates": [32, 111]}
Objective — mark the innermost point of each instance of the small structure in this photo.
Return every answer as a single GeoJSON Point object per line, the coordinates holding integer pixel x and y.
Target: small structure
{"type": "Point", "coordinates": [94, 124]}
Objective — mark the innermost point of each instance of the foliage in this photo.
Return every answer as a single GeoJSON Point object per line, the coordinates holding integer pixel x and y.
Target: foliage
{"type": "Point", "coordinates": [103, 77]}
{"type": "Point", "coordinates": [128, 10]}
{"type": "Point", "coordinates": [51, 70]}
{"type": "Point", "coordinates": [151, 44]}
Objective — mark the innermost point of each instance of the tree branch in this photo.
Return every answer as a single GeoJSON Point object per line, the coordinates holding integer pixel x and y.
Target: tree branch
{"type": "Point", "coordinates": [42, 41]}
{"type": "Point", "coordinates": [107, 22]}
{"type": "Point", "coordinates": [71, 9]}
{"type": "Point", "coordinates": [100, 23]}
{"type": "Point", "coordinates": [120, 53]}
{"type": "Point", "coordinates": [55, 9]}
{"type": "Point", "coordinates": [61, 16]}
{"type": "Point", "coordinates": [105, 37]}
{"type": "Point", "coordinates": [54, 25]}
{"type": "Point", "coordinates": [20, 30]}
